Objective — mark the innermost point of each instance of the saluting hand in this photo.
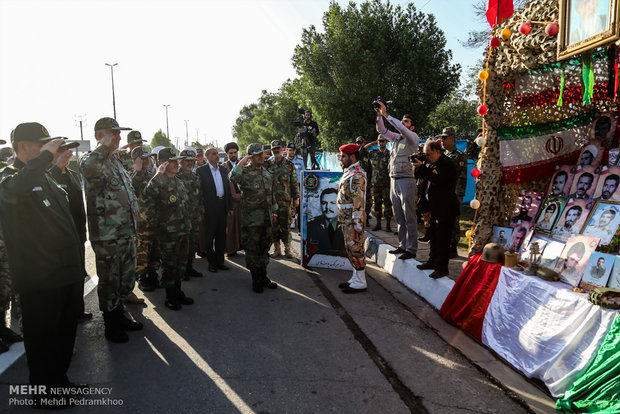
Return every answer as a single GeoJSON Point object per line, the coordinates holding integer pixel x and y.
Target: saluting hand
{"type": "Point", "coordinates": [162, 167]}
{"type": "Point", "coordinates": [53, 146]}
{"type": "Point", "coordinates": [137, 164]}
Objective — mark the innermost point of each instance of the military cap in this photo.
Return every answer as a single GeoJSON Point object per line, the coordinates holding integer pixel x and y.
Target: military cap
{"type": "Point", "coordinates": [69, 145]}
{"type": "Point", "coordinates": [275, 144]}
{"type": "Point", "coordinates": [266, 147]}
{"type": "Point", "coordinates": [31, 132]}
{"type": "Point", "coordinates": [231, 145]}
{"type": "Point", "coordinates": [2, 142]}
{"type": "Point", "coordinates": [156, 150]}
{"type": "Point", "coordinates": [381, 138]}
{"type": "Point", "coordinates": [291, 145]}
{"type": "Point", "coordinates": [188, 154]}
{"type": "Point", "coordinates": [359, 139]}
{"type": "Point", "coordinates": [199, 151]}
{"type": "Point", "coordinates": [167, 154]}
{"type": "Point", "coordinates": [6, 153]}
{"type": "Point", "coordinates": [109, 123]}
{"type": "Point", "coordinates": [255, 149]}
{"type": "Point", "coordinates": [447, 131]}
{"type": "Point", "coordinates": [349, 148]}
{"type": "Point", "coordinates": [140, 152]}
{"type": "Point", "coordinates": [134, 136]}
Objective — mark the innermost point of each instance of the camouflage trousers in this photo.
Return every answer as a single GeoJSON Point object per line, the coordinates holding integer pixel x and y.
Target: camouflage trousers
{"type": "Point", "coordinates": [354, 246]}
{"type": "Point", "coordinates": [282, 229]}
{"type": "Point", "coordinates": [173, 248]}
{"type": "Point", "coordinates": [193, 239]}
{"type": "Point", "coordinates": [381, 198]}
{"type": "Point", "coordinates": [256, 241]}
{"type": "Point", "coordinates": [143, 244]}
{"type": "Point", "coordinates": [154, 262]}
{"type": "Point", "coordinates": [116, 268]}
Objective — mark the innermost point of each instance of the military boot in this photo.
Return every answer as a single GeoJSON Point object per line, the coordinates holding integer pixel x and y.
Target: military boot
{"type": "Point", "coordinates": [127, 324]}
{"type": "Point", "coordinates": [184, 300]}
{"type": "Point", "coordinates": [388, 227]}
{"type": "Point", "coordinates": [172, 301]}
{"type": "Point", "coordinates": [144, 284]}
{"type": "Point", "coordinates": [287, 250]}
{"type": "Point", "coordinates": [378, 225]}
{"type": "Point", "coordinates": [277, 250]}
{"type": "Point", "coordinates": [268, 283]}
{"type": "Point", "coordinates": [257, 285]}
{"type": "Point", "coordinates": [190, 269]}
{"type": "Point", "coordinates": [113, 330]}
{"type": "Point", "coordinates": [153, 279]}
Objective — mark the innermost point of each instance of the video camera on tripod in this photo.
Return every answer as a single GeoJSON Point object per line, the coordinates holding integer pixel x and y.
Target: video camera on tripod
{"type": "Point", "coordinates": [304, 136]}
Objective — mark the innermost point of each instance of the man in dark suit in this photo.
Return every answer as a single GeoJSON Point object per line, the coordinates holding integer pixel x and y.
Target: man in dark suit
{"type": "Point", "coordinates": [440, 172]}
{"type": "Point", "coordinates": [218, 205]}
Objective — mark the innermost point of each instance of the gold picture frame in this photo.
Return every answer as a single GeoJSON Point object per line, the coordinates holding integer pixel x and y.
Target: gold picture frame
{"type": "Point", "coordinates": [575, 36]}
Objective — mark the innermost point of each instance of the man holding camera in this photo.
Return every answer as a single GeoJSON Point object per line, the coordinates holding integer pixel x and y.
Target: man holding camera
{"type": "Point", "coordinates": [440, 172]}
{"type": "Point", "coordinates": [402, 183]}
{"type": "Point", "coordinates": [308, 143]}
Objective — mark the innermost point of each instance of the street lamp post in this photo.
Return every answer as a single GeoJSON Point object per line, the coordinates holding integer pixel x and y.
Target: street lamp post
{"type": "Point", "coordinates": [167, 130]}
{"type": "Point", "coordinates": [113, 97]}
{"type": "Point", "coordinates": [186, 133]}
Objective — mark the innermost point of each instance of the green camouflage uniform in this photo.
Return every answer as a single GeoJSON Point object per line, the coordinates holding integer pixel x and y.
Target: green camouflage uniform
{"type": "Point", "coordinates": [351, 204]}
{"type": "Point", "coordinates": [287, 190]}
{"type": "Point", "coordinates": [366, 165]}
{"type": "Point", "coordinates": [139, 180]}
{"type": "Point", "coordinates": [168, 217]}
{"type": "Point", "coordinates": [124, 157]}
{"type": "Point", "coordinates": [112, 212]}
{"type": "Point", "coordinates": [380, 162]}
{"type": "Point", "coordinates": [258, 202]}
{"type": "Point", "coordinates": [459, 159]}
{"type": "Point", "coordinates": [196, 207]}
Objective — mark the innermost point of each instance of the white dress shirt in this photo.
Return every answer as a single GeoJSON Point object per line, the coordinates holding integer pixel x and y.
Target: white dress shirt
{"type": "Point", "coordinates": [217, 179]}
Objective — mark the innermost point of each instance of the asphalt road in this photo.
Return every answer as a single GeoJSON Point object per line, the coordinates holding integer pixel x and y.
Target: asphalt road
{"type": "Point", "coordinates": [302, 348]}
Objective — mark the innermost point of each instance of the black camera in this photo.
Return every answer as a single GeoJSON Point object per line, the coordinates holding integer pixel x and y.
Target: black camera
{"type": "Point", "coordinates": [375, 103]}
{"type": "Point", "coordinates": [299, 119]}
{"type": "Point", "coordinates": [420, 156]}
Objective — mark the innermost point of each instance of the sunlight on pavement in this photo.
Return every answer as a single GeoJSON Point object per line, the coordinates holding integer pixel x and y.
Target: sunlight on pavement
{"type": "Point", "coordinates": [156, 351]}
{"type": "Point", "coordinates": [301, 294]}
{"type": "Point", "coordinates": [438, 358]}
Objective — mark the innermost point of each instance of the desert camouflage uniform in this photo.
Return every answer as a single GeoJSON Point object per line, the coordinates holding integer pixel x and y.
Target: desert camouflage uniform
{"type": "Point", "coordinates": [459, 159]}
{"type": "Point", "coordinates": [351, 204]}
{"type": "Point", "coordinates": [380, 162]}
{"type": "Point", "coordinates": [286, 191]}
{"type": "Point", "coordinates": [258, 203]}
{"type": "Point", "coordinates": [169, 219]}
{"type": "Point", "coordinates": [112, 212]}
{"type": "Point", "coordinates": [196, 208]}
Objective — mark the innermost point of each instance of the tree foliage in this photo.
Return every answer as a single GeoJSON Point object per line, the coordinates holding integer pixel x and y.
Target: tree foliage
{"type": "Point", "coordinates": [458, 112]}
{"type": "Point", "coordinates": [160, 139]}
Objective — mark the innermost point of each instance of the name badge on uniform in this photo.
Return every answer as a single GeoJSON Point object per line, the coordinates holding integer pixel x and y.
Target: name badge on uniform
{"type": "Point", "coordinates": [47, 202]}
{"type": "Point", "coordinates": [37, 188]}
{"type": "Point", "coordinates": [401, 146]}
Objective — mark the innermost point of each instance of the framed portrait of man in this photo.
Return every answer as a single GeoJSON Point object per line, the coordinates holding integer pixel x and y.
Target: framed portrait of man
{"type": "Point", "coordinates": [572, 219]}
{"type": "Point", "coordinates": [561, 181]}
{"type": "Point", "coordinates": [603, 130]}
{"type": "Point", "coordinates": [549, 212]}
{"type": "Point", "coordinates": [603, 221]}
{"type": "Point", "coordinates": [522, 232]}
{"type": "Point", "coordinates": [572, 262]}
{"type": "Point", "coordinates": [527, 207]}
{"type": "Point", "coordinates": [591, 155]}
{"type": "Point", "coordinates": [614, 278]}
{"type": "Point", "coordinates": [584, 182]}
{"type": "Point", "coordinates": [502, 236]}
{"type": "Point", "coordinates": [608, 186]}
{"type": "Point", "coordinates": [597, 270]}
{"type": "Point", "coordinates": [586, 24]}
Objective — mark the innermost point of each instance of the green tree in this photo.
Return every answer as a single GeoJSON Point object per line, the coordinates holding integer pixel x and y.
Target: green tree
{"type": "Point", "coordinates": [160, 139]}
{"type": "Point", "coordinates": [197, 145]}
{"type": "Point", "coordinates": [458, 112]}
{"type": "Point", "coordinates": [374, 50]}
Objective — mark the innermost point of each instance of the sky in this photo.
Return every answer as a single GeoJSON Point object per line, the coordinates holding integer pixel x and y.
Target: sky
{"type": "Point", "coordinates": [204, 58]}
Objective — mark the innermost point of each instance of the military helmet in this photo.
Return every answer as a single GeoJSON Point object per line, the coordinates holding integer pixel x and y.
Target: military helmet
{"type": "Point", "coordinates": [493, 253]}
{"type": "Point", "coordinates": [255, 149]}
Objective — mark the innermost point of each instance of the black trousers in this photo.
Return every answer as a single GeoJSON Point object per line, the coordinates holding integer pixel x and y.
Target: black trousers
{"type": "Point", "coordinates": [49, 319]}
{"type": "Point", "coordinates": [215, 232]}
{"type": "Point", "coordinates": [441, 236]}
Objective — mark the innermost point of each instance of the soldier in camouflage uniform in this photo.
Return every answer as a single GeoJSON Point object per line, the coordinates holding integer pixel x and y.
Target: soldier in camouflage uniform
{"type": "Point", "coordinates": [458, 157]}
{"type": "Point", "coordinates": [380, 162]}
{"type": "Point", "coordinates": [112, 212]}
{"type": "Point", "coordinates": [365, 164]}
{"type": "Point", "coordinates": [168, 216]}
{"type": "Point", "coordinates": [260, 213]}
{"type": "Point", "coordinates": [351, 215]}
{"type": "Point", "coordinates": [134, 140]}
{"type": "Point", "coordinates": [287, 197]}
{"type": "Point", "coordinates": [193, 186]}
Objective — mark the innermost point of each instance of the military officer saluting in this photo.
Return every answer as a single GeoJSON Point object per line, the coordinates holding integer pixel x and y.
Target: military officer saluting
{"type": "Point", "coordinates": [458, 157]}
{"type": "Point", "coordinates": [193, 185]}
{"type": "Point", "coordinates": [351, 215]}
{"type": "Point", "coordinates": [168, 216]}
{"type": "Point", "coordinates": [287, 197]}
{"type": "Point", "coordinates": [260, 213]}
{"type": "Point", "coordinates": [134, 140]}
{"type": "Point", "coordinates": [380, 162]}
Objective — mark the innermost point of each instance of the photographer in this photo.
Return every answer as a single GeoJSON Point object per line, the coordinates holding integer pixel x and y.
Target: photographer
{"type": "Point", "coordinates": [308, 131]}
{"type": "Point", "coordinates": [440, 172]}
{"type": "Point", "coordinates": [402, 183]}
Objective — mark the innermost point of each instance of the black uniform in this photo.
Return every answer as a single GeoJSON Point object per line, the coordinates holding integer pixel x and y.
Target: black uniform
{"type": "Point", "coordinates": [46, 265]}
{"type": "Point", "coordinates": [444, 207]}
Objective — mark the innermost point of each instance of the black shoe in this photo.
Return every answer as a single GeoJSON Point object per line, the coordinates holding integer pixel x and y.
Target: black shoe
{"type": "Point", "coordinates": [145, 284]}
{"type": "Point", "coordinates": [7, 335]}
{"type": "Point", "coordinates": [172, 300]}
{"type": "Point", "coordinates": [395, 233]}
{"type": "Point", "coordinates": [184, 300]}
{"type": "Point", "coordinates": [439, 273]}
{"type": "Point", "coordinates": [424, 238]}
{"type": "Point", "coordinates": [388, 227]}
{"type": "Point", "coordinates": [268, 283]}
{"type": "Point", "coordinates": [212, 269]}
{"type": "Point", "coordinates": [153, 279]}
{"type": "Point", "coordinates": [194, 273]}
{"type": "Point", "coordinates": [398, 250]}
{"type": "Point", "coordinates": [126, 323]}
{"type": "Point", "coordinates": [223, 267]}
{"type": "Point", "coordinates": [257, 285]}
{"type": "Point", "coordinates": [407, 256]}
{"type": "Point", "coordinates": [349, 289]}
{"type": "Point", "coordinates": [85, 316]}
{"type": "Point", "coordinates": [113, 330]}
{"type": "Point", "coordinates": [427, 265]}
{"type": "Point", "coordinates": [343, 285]}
